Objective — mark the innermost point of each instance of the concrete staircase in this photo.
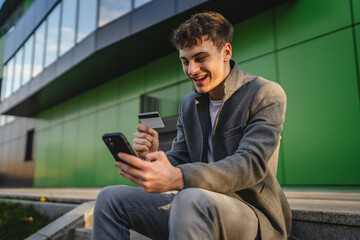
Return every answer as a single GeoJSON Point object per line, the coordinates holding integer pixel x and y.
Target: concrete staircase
{"type": "Point", "coordinates": [316, 215]}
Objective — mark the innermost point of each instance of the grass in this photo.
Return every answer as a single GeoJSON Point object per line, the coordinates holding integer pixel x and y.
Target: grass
{"type": "Point", "coordinates": [19, 222]}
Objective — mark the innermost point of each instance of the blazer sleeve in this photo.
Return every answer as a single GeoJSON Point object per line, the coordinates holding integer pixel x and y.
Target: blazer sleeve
{"type": "Point", "coordinates": [248, 165]}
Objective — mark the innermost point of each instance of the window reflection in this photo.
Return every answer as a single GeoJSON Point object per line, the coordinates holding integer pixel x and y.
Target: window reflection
{"type": "Point", "coordinates": [139, 3]}
{"type": "Point", "coordinates": [68, 23]}
{"type": "Point", "coordinates": [39, 49]}
{"type": "Point", "coordinates": [52, 36]}
{"type": "Point", "coordinates": [9, 77]}
{"type": "Point", "coordinates": [112, 9]}
{"type": "Point", "coordinates": [28, 59]}
{"type": "Point", "coordinates": [18, 69]}
{"type": "Point", "coordinates": [4, 81]}
{"type": "Point", "coordinates": [87, 18]}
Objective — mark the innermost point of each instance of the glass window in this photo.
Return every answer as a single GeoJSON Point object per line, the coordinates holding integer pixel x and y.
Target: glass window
{"type": "Point", "coordinates": [9, 78]}
{"type": "Point", "coordinates": [28, 48]}
{"type": "Point", "coordinates": [3, 84]}
{"type": "Point", "coordinates": [39, 50]}
{"type": "Point", "coordinates": [139, 3]}
{"type": "Point", "coordinates": [112, 9]}
{"type": "Point", "coordinates": [18, 69]}
{"type": "Point", "coordinates": [52, 37]}
{"type": "Point", "coordinates": [87, 18]}
{"type": "Point", "coordinates": [68, 23]}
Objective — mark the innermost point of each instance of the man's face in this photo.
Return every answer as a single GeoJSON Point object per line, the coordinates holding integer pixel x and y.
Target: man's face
{"type": "Point", "coordinates": [207, 67]}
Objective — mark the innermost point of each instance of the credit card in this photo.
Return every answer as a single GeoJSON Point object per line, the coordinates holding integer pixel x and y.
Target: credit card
{"type": "Point", "coordinates": [151, 119]}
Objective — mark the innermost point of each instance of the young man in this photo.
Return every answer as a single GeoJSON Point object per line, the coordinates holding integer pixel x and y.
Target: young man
{"type": "Point", "coordinates": [223, 160]}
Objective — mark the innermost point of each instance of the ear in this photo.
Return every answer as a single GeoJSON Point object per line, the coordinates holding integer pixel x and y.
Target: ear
{"type": "Point", "coordinates": [227, 52]}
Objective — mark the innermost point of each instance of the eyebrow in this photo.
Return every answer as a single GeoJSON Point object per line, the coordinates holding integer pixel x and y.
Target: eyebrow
{"type": "Point", "coordinates": [197, 54]}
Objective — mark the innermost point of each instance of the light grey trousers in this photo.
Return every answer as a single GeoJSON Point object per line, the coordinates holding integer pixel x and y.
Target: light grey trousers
{"type": "Point", "coordinates": [189, 214]}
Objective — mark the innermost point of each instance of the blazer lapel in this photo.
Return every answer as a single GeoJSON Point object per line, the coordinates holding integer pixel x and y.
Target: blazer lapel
{"type": "Point", "coordinates": [202, 106]}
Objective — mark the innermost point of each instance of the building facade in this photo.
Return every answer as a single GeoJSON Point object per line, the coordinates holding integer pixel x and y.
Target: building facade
{"type": "Point", "coordinates": [72, 70]}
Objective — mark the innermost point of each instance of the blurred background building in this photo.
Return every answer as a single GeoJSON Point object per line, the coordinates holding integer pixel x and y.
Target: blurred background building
{"type": "Point", "coordinates": [72, 70]}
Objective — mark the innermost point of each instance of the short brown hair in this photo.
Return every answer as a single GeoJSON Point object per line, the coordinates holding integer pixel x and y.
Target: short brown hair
{"type": "Point", "coordinates": [211, 25]}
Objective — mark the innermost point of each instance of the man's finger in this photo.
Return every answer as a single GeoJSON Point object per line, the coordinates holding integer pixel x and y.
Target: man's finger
{"type": "Point", "coordinates": [129, 169]}
{"type": "Point", "coordinates": [142, 142]}
{"type": "Point", "coordinates": [143, 135]}
{"type": "Point", "coordinates": [132, 160]}
{"type": "Point", "coordinates": [129, 177]}
{"type": "Point", "coordinates": [142, 128]}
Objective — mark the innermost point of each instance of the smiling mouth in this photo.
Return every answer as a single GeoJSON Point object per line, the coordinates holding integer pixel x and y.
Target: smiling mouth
{"type": "Point", "coordinates": [199, 78]}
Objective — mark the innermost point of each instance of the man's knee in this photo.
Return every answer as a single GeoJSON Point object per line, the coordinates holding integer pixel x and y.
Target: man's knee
{"type": "Point", "coordinates": [189, 200]}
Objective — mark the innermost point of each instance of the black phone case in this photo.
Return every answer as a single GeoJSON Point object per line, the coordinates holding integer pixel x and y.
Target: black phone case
{"type": "Point", "coordinates": [117, 142]}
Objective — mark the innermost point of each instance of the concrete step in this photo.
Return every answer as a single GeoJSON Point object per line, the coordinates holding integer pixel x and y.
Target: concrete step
{"type": "Point", "coordinates": [86, 233]}
{"type": "Point", "coordinates": [328, 215]}
{"type": "Point", "coordinates": [317, 214]}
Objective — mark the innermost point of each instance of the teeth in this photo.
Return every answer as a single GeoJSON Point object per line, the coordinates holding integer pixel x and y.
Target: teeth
{"type": "Point", "coordinates": [199, 78]}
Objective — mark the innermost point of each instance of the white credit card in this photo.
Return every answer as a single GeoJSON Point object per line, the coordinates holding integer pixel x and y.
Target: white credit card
{"type": "Point", "coordinates": [151, 119]}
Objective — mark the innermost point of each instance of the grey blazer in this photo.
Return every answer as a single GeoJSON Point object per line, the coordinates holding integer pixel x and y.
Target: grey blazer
{"type": "Point", "coordinates": [245, 141]}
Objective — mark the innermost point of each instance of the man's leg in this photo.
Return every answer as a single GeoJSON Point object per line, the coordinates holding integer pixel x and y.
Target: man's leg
{"type": "Point", "coordinates": [120, 208]}
{"type": "Point", "coordinates": [201, 214]}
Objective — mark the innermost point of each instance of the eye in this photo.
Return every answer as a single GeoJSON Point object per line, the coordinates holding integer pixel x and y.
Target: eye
{"type": "Point", "coordinates": [200, 59]}
{"type": "Point", "coordinates": [185, 62]}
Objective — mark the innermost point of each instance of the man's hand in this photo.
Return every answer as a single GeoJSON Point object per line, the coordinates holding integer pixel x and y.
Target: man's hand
{"type": "Point", "coordinates": [146, 140]}
{"type": "Point", "coordinates": [156, 174]}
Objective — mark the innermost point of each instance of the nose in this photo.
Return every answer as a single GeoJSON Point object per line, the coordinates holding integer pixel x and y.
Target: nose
{"type": "Point", "coordinates": [193, 68]}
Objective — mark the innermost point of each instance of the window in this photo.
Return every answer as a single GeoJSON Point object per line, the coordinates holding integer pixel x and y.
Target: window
{"type": "Point", "coordinates": [3, 83]}
{"type": "Point", "coordinates": [28, 56]}
{"type": "Point", "coordinates": [52, 37]}
{"type": "Point", "coordinates": [18, 69]}
{"type": "Point", "coordinates": [9, 78]}
{"type": "Point", "coordinates": [29, 145]}
{"type": "Point", "coordinates": [149, 104]}
{"type": "Point", "coordinates": [68, 24]}
{"type": "Point", "coordinates": [112, 9]}
{"type": "Point", "coordinates": [39, 50]}
{"type": "Point", "coordinates": [87, 18]}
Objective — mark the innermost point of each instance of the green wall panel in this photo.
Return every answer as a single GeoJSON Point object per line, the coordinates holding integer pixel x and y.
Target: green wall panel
{"type": "Point", "coordinates": [89, 101]}
{"type": "Point", "coordinates": [132, 84]}
{"type": "Point", "coordinates": [357, 39]}
{"type": "Point", "coordinates": [253, 37]}
{"type": "Point", "coordinates": [71, 108]}
{"type": "Point", "coordinates": [104, 169]}
{"type": "Point", "coordinates": [163, 71]}
{"type": "Point", "coordinates": [69, 153]}
{"type": "Point", "coordinates": [184, 89]}
{"type": "Point", "coordinates": [321, 137]}
{"type": "Point", "coordinates": [54, 155]}
{"type": "Point", "coordinates": [84, 173]}
{"type": "Point", "coordinates": [108, 93]}
{"type": "Point", "coordinates": [41, 159]}
{"type": "Point", "coordinates": [297, 21]}
{"type": "Point", "coordinates": [263, 66]}
{"type": "Point", "coordinates": [356, 10]}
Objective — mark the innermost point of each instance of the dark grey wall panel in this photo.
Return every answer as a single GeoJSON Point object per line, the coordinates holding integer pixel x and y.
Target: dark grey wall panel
{"type": "Point", "coordinates": [183, 5]}
{"type": "Point", "coordinates": [151, 14]}
{"type": "Point", "coordinates": [113, 32]}
{"type": "Point", "coordinates": [85, 48]}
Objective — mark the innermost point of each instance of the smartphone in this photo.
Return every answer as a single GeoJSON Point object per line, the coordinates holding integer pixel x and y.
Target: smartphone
{"type": "Point", "coordinates": [117, 142]}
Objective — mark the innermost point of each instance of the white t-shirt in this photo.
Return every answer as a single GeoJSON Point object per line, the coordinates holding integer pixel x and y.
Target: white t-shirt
{"type": "Point", "coordinates": [214, 108]}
